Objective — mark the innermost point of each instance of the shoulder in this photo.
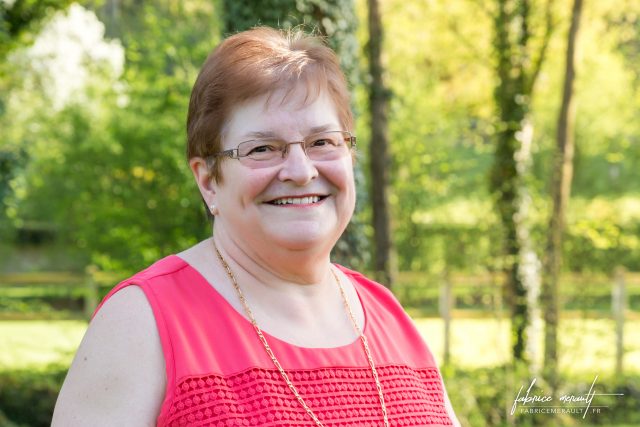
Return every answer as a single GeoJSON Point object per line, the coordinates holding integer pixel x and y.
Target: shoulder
{"type": "Point", "coordinates": [389, 324]}
{"type": "Point", "coordinates": [369, 286]}
{"type": "Point", "coordinates": [161, 274]}
{"type": "Point", "coordinates": [118, 373]}
{"type": "Point", "coordinates": [161, 269]}
{"type": "Point", "coordinates": [377, 298]}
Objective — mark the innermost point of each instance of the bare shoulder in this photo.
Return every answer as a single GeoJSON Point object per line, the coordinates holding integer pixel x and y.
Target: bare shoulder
{"type": "Point", "coordinates": [118, 374]}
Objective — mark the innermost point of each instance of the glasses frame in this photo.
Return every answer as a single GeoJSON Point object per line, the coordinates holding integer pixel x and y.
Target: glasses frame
{"type": "Point", "coordinates": [234, 153]}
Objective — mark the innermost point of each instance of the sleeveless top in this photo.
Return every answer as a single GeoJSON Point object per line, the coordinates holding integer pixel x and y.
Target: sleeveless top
{"type": "Point", "coordinates": [219, 374]}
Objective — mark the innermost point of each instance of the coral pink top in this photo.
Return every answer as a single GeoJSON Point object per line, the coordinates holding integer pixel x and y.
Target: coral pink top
{"type": "Point", "coordinates": [219, 374]}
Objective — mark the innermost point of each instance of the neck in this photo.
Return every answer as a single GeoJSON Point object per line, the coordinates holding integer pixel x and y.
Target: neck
{"type": "Point", "coordinates": [285, 295]}
{"type": "Point", "coordinates": [275, 266]}
{"type": "Point", "coordinates": [298, 304]}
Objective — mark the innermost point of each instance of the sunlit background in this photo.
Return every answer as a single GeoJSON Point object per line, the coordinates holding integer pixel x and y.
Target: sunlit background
{"type": "Point", "coordinates": [94, 183]}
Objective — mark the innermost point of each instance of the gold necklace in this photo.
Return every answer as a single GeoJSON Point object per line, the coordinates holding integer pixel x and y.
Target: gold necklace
{"type": "Point", "coordinates": [277, 364]}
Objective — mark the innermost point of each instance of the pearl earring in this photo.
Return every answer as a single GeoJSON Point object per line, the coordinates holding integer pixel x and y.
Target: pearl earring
{"type": "Point", "coordinates": [213, 209]}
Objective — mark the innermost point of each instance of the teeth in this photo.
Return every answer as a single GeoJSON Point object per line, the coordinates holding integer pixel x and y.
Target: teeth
{"type": "Point", "coordinates": [297, 200]}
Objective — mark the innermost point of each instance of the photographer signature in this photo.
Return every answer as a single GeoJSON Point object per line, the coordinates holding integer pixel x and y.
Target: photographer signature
{"type": "Point", "coordinates": [530, 398]}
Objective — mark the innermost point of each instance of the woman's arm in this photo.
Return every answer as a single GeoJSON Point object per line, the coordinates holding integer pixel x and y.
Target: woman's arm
{"type": "Point", "coordinates": [118, 374]}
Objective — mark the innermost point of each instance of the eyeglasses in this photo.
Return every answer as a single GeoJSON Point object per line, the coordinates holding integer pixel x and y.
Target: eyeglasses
{"type": "Point", "coordinates": [265, 152]}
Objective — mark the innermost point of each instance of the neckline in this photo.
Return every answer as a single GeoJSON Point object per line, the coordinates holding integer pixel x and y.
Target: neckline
{"type": "Point", "coordinates": [215, 294]}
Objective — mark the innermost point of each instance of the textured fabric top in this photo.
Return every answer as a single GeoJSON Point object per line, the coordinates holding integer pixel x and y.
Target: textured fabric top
{"type": "Point", "coordinates": [219, 374]}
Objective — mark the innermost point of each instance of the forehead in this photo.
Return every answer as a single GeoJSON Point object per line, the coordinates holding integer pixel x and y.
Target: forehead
{"type": "Point", "coordinates": [285, 114]}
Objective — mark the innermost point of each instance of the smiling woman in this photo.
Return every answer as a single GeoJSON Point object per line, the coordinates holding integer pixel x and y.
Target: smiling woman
{"type": "Point", "coordinates": [251, 212]}
{"type": "Point", "coordinates": [255, 325]}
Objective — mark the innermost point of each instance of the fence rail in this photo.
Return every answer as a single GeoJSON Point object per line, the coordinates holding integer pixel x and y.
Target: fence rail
{"type": "Point", "coordinates": [469, 294]}
{"type": "Point", "coordinates": [58, 285]}
{"type": "Point", "coordinates": [446, 296]}
{"type": "Point", "coordinates": [590, 295]}
{"type": "Point", "coordinates": [484, 292]}
{"type": "Point", "coordinates": [72, 279]}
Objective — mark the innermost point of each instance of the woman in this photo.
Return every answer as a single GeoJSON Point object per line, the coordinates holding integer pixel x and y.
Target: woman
{"type": "Point", "coordinates": [255, 326]}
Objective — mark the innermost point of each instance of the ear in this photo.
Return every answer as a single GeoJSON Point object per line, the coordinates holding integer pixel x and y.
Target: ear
{"type": "Point", "coordinates": [205, 182]}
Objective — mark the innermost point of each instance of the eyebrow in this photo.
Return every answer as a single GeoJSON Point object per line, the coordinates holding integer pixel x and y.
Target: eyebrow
{"type": "Point", "coordinates": [270, 134]}
{"type": "Point", "coordinates": [258, 134]}
{"type": "Point", "coordinates": [323, 128]}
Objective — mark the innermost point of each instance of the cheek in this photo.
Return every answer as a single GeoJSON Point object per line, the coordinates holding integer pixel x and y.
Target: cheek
{"type": "Point", "coordinates": [340, 174]}
{"type": "Point", "coordinates": [244, 185]}
{"type": "Point", "coordinates": [255, 182]}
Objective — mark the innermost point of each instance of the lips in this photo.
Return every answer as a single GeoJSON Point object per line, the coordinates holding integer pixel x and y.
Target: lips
{"type": "Point", "coordinates": [297, 200]}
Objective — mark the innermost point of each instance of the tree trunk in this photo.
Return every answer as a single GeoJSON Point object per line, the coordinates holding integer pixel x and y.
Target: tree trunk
{"type": "Point", "coordinates": [560, 191]}
{"type": "Point", "coordinates": [511, 166]}
{"type": "Point", "coordinates": [506, 178]}
{"type": "Point", "coordinates": [379, 162]}
{"type": "Point", "coordinates": [111, 16]}
{"type": "Point", "coordinates": [529, 265]}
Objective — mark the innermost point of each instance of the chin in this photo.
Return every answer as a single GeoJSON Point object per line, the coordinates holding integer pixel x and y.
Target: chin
{"type": "Point", "coordinates": [300, 238]}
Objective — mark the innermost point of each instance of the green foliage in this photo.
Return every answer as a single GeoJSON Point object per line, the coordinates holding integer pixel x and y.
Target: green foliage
{"type": "Point", "coordinates": [494, 389]}
{"type": "Point", "coordinates": [460, 235]}
{"type": "Point", "coordinates": [21, 19]}
{"type": "Point", "coordinates": [335, 19]}
{"type": "Point", "coordinates": [443, 126]}
{"type": "Point", "coordinates": [107, 173]}
{"type": "Point", "coordinates": [116, 165]}
{"type": "Point", "coordinates": [27, 398]}
{"type": "Point", "coordinates": [604, 234]}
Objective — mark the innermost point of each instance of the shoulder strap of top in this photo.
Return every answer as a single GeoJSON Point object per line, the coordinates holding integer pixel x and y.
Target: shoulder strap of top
{"type": "Point", "coordinates": [142, 279]}
{"type": "Point", "coordinates": [385, 314]}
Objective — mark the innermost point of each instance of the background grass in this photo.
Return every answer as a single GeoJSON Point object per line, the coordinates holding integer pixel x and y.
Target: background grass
{"type": "Point", "coordinates": [30, 344]}
{"type": "Point", "coordinates": [587, 345]}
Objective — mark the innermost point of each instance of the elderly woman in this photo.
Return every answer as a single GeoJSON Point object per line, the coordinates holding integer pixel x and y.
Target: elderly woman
{"type": "Point", "coordinates": [255, 326]}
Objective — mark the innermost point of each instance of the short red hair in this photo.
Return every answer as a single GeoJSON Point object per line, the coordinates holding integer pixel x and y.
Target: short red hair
{"type": "Point", "coordinates": [254, 63]}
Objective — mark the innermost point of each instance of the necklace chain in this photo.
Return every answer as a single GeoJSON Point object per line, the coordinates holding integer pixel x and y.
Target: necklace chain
{"type": "Point", "coordinates": [277, 364]}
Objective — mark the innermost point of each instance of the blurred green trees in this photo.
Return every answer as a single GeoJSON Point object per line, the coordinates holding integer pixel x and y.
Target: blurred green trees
{"type": "Point", "coordinates": [104, 171]}
{"type": "Point", "coordinates": [92, 133]}
{"type": "Point", "coordinates": [104, 163]}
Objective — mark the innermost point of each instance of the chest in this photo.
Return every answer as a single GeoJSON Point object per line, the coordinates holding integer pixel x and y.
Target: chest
{"type": "Point", "coordinates": [338, 397]}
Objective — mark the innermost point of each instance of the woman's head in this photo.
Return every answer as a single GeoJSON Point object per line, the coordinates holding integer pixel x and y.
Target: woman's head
{"type": "Point", "coordinates": [255, 63]}
{"type": "Point", "coordinates": [302, 200]}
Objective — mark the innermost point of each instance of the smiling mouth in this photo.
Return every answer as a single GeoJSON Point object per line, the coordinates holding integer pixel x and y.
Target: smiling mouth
{"type": "Point", "coordinates": [307, 200]}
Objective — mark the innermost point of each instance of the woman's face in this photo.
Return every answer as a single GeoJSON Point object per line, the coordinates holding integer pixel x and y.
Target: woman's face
{"type": "Point", "coordinates": [248, 198]}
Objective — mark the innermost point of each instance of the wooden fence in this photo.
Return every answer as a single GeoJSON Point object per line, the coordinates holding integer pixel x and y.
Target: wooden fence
{"type": "Point", "coordinates": [447, 296]}
{"type": "Point", "coordinates": [87, 284]}
{"type": "Point", "coordinates": [487, 290]}
{"type": "Point", "coordinates": [453, 295]}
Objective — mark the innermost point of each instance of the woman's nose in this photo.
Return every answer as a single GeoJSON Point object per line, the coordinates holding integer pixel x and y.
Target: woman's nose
{"type": "Point", "coordinates": [297, 167]}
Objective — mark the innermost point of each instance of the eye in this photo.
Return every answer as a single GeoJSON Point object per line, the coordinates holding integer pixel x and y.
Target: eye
{"type": "Point", "coordinates": [262, 148]}
{"type": "Point", "coordinates": [323, 142]}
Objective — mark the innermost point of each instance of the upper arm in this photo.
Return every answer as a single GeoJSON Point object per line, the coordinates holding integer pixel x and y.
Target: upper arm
{"type": "Point", "coordinates": [118, 374]}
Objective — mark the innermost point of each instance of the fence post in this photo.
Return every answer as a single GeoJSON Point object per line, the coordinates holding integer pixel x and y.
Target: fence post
{"type": "Point", "coordinates": [446, 301]}
{"type": "Point", "coordinates": [497, 294]}
{"type": "Point", "coordinates": [619, 306]}
{"type": "Point", "coordinates": [91, 291]}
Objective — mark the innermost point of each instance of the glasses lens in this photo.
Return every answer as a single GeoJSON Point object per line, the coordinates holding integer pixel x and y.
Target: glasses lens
{"type": "Point", "coordinates": [321, 146]}
{"type": "Point", "coordinates": [328, 145]}
{"type": "Point", "coordinates": [261, 151]}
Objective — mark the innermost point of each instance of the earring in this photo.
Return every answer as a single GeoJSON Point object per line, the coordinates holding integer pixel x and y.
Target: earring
{"type": "Point", "coordinates": [213, 209]}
